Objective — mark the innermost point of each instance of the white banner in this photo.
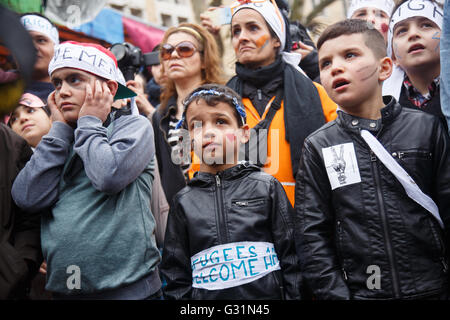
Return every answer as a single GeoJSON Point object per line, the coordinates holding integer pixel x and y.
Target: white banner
{"type": "Point", "coordinates": [233, 264]}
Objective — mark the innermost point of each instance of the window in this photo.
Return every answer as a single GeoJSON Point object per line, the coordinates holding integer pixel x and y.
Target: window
{"type": "Point", "coordinates": [136, 12]}
{"type": "Point", "coordinates": [166, 20]}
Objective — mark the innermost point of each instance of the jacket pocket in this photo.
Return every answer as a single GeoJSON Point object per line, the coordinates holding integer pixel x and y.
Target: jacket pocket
{"type": "Point", "coordinates": [339, 250]}
{"type": "Point", "coordinates": [413, 154]}
{"type": "Point", "coordinates": [439, 245]}
{"type": "Point", "coordinates": [248, 202]}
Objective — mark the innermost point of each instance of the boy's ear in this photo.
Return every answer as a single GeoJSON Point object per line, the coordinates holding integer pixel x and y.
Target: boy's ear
{"type": "Point", "coordinates": [386, 67]}
{"type": "Point", "coordinates": [113, 86]}
{"type": "Point", "coordinates": [245, 134]}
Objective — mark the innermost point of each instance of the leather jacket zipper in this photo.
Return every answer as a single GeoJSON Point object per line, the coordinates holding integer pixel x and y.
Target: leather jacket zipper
{"type": "Point", "coordinates": [383, 215]}
{"type": "Point", "coordinates": [222, 232]}
{"type": "Point", "coordinates": [339, 245]}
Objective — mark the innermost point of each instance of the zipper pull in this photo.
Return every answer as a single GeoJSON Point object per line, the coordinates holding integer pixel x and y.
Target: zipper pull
{"type": "Point", "coordinates": [217, 180]}
{"type": "Point", "coordinates": [344, 274]}
{"type": "Point", "coordinates": [373, 157]}
{"type": "Point", "coordinates": [259, 92]}
{"type": "Point", "coordinates": [444, 264]}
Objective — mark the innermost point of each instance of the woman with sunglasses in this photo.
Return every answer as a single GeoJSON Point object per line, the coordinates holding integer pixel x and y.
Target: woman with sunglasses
{"type": "Point", "coordinates": [190, 58]}
{"type": "Point", "coordinates": [272, 86]}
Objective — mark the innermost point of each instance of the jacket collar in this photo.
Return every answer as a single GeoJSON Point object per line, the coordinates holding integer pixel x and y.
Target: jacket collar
{"type": "Point", "coordinates": [235, 172]}
{"type": "Point", "coordinates": [388, 113]}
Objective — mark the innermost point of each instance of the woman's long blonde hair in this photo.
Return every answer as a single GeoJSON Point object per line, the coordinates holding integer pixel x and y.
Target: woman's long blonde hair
{"type": "Point", "coordinates": [212, 71]}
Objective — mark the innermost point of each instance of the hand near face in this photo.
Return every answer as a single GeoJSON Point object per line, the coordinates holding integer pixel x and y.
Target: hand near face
{"type": "Point", "coordinates": [303, 49]}
{"type": "Point", "coordinates": [207, 22]}
{"type": "Point", "coordinates": [56, 114]}
{"type": "Point", "coordinates": [98, 101]}
{"type": "Point", "coordinates": [144, 106]}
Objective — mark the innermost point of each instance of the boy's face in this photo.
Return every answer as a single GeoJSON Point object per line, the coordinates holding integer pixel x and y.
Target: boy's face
{"type": "Point", "coordinates": [45, 49]}
{"type": "Point", "coordinates": [30, 123]}
{"type": "Point", "coordinates": [70, 91]}
{"type": "Point", "coordinates": [216, 134]}
{"type": "Point", "coordinates": [350, 72]}
{"type": "Point", "coordinates": [415, 44]}
{"type": "Point", "coordinates": [378, 18]}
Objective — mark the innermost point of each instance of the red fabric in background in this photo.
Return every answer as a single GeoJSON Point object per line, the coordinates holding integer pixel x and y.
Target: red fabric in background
{"type": "Point", "coordinates": [143, 36]}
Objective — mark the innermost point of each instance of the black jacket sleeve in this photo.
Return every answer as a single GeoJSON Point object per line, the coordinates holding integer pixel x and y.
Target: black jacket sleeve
{"type": "Point", "coordinates": [441, 172]}
{"type": "Point", "coordinates": [20, 250]}
{"type": "Point", "coordinates": [284, 242]}
{"type": "Point", "coordinates": [176, 258]}
{"type": "Point", "coordinates": [315, 225]}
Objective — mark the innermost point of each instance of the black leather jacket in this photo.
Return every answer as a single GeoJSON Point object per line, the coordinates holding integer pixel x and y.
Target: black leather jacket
{"type": "Point", "coordinates": [347, 235]}
{"type": "Point", "coordinates": [238, 204]}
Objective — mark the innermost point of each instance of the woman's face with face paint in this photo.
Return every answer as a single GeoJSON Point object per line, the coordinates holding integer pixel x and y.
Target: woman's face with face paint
{"type": "Point", "coordinates": [252, 42]}
{"type": "Point", "coordinates": [378, 18]}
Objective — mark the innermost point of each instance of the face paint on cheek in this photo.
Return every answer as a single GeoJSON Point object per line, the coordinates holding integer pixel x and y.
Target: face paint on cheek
{"type": "Point", "coordinates": [262, 41]}
{"type": "Point", "coordinates": [384, 28]}
{"type": "Point", "coordinates": [395, 49]}
{"type": "Point", "coordinates": [365, 73]}
{"type": "Point", "coordinates": [437, 36]}
{"type": "Point", "coordinates": [231, 137]}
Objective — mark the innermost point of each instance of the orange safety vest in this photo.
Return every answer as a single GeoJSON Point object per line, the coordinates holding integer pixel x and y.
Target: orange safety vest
{"type": "Point", "coordinates": [278, 149]}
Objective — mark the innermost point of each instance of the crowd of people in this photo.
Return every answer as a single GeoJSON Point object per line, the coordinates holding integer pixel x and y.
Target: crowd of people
{"type": "Point", "coordinates": [318, 170]}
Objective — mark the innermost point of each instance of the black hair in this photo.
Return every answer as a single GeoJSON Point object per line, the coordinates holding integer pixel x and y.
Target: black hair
{"type": "Point", "coordinates": [226, 95]}
{"type": "Point", "coordinates": [374, 40]}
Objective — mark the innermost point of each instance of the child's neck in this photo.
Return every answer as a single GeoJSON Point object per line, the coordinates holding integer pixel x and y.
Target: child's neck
{"type": "Point", "coordinates": [370, 109]}
{"type": "Point", "coordinates": [183, 88]}
{"type": "Point", "coordinates": [421, 79]}
{"type": "Point", "coordinates": [214, 169]}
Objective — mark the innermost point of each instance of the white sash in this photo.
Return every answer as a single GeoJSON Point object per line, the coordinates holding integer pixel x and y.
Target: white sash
{"type": "Point", "coordinates": [412, 189]}
{"type": "Point", "coordinates": [233, 264]}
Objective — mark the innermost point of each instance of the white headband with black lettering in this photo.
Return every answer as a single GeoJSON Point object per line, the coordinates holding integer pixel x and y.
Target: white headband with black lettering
{"type": "Point", "coordinates": [36, 23]}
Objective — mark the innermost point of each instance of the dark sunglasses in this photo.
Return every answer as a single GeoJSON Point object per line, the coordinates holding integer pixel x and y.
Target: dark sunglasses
{"type": "Point", "coordinates": [184, 49]}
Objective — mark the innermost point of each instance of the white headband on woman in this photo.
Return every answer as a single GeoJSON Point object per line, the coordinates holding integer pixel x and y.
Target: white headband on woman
{"type": "Point", "coordinates": [270, 12]}
{"type": "Point", "coordinates": [36, 23]}
{"type": "Point", "coordinates": [409, 9]}
{"type": "Point", "coordinates": [384, 5]}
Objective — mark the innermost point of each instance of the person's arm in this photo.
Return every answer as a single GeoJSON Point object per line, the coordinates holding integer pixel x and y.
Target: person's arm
{"type": "Point", "coordinates": [36, 186]}
{"type": "Point", "coordinates": [283, 236]}
{"type": "Point", "coordinates": [113, 162]}
{"type": "Point", "coordinates": [445, 65]}
{"type": "Point", "coordinates": [441, 172]}
{"type": "Point", "coordinates": [20, 255]}
{"type": "Point", "coordinates": [176, 259]}
{"type": "Point", "coordinates": [314, 227]}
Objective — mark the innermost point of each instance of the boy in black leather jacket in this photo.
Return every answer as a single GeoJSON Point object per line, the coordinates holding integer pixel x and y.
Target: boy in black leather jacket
{"type": "Point", "coordinates": [361, 234]}
{"type": "Point", "coordinates": [229, 232]}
